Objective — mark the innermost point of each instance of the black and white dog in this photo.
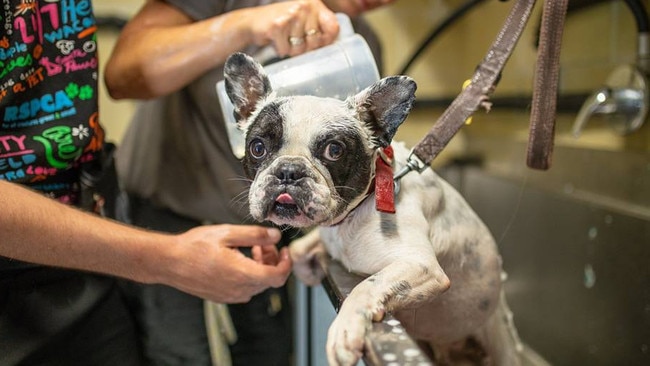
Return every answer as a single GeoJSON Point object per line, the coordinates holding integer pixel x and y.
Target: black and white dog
{"type": "Point", "coordinates": [433, 264]}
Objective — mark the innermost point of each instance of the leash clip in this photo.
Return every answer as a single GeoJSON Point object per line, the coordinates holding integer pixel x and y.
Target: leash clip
{"type": "Point", "coordinates": [412, 163]}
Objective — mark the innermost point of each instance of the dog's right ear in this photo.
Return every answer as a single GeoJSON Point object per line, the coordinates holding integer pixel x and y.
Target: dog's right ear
{"type": "Point", "coordinates": [246, 85]}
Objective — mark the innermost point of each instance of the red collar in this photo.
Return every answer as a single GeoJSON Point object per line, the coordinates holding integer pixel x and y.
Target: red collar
{"type": "Point", "coordinates": [384, 183]}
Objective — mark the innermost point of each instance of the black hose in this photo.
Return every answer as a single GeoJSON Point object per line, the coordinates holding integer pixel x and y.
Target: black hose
{"type": "Point", "coordinates": [112, 22]}
{"type": "Point", "coordinates": [437, 31]}
{"type": "Point", "coordinates": [640, 15]}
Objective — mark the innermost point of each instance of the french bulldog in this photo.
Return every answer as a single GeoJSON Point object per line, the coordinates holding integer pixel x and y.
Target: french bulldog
{"type": "Point", "coordinates": [433, 264]}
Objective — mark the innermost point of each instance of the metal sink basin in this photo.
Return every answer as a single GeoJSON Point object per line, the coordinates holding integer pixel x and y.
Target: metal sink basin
{"type": "Point", "coordinates": [575, 241]}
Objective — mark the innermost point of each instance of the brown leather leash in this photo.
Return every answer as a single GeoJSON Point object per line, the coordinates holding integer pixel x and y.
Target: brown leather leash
{"type": "Point", "coordinates": [547, 72]}
{"type": "Point", "coordinates": [483, 82]}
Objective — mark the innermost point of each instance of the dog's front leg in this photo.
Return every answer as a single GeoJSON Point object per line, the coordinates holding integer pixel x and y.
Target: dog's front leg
{"type": "Point", "coordinates": [304, 254]}
{"type": "Point", "coordinates": [400, 285]}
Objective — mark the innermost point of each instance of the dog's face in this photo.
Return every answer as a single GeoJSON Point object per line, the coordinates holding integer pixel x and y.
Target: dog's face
{"type": "Point", "coordinates": [311, 159]}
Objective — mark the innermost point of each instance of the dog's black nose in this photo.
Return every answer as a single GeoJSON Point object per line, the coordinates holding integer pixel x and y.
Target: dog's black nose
{"type": "Point", "coordinates": [290, 173]}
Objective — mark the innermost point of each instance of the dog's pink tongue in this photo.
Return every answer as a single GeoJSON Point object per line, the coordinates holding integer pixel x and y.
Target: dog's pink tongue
{"type": "Point", "coordinates": [285, 198]}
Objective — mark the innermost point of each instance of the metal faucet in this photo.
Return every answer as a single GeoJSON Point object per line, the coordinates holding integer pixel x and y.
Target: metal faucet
{"type": "Point", "coordinates": [623, 100]}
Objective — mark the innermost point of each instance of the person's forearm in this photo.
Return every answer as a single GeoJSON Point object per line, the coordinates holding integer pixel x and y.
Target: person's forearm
{"type": "Point", "coordinates": [37, 229]}
{"type": "Point", "coordinates": [355, 8]}
{"type": "Point", "coordinates": [157, 60]}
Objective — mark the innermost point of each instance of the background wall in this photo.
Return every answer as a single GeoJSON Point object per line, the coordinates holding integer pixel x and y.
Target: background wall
{"type": "Point", "coordinates": [596, 39]}
{"type": "Point", "coordinates": [115, 115]}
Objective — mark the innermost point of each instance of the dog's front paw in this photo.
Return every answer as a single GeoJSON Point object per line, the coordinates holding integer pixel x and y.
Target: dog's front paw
{"type": "Point", "coordinates": [304, 254]}
{"type": "Point", "coordinates": [308, 270]}
{"type": "Point", "coordinates": [346, 338]}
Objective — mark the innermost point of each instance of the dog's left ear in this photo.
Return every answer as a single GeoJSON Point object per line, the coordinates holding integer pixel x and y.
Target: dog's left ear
{"type": "Point", "coordinates": [246, 85]}
{"type": "Point", "coordinates": [384, 105]}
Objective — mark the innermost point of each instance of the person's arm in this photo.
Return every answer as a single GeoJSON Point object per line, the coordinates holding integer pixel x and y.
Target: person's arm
{"type": "Point", "coordinates": [161, 49]}
{"type": "Point", "coordinates": [355, 8]}
{"type": "Point", "coordinates": [37, 229]}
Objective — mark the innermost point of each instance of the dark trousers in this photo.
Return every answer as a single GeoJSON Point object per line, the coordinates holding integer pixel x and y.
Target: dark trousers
{"type": "Point", "coordinates": [57, 317]}
{"type": "Point", "coordinates": [171, 323]}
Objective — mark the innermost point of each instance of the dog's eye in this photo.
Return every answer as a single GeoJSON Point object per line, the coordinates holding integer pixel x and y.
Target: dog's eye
{"type": "Point", "coordinates": [333, 151]}
{"type": "Point", "coordinates": [257, 148]}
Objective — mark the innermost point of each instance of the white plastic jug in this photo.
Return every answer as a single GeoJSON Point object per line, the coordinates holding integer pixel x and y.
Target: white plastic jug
{"type": "Point", "coordinates": [338, 70]}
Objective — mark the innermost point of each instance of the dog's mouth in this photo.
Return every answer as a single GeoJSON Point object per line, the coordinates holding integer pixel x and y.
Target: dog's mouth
{"type": "Point", "coordinates": [285, 206]}
{"type": "Point", "coordinates": [297, 205]}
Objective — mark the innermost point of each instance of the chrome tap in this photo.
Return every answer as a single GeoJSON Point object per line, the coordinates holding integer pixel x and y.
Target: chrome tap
{"type": "Point", "coordinates": [623, 100]}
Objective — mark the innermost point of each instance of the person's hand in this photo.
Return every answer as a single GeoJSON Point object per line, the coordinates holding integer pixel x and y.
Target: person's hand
{"type": "Point", "coordinates": [209, 265]}
{"type": "Point", "coordinates": [294, 27]}
{"type": "Point", "coordinates": [354, 8]}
